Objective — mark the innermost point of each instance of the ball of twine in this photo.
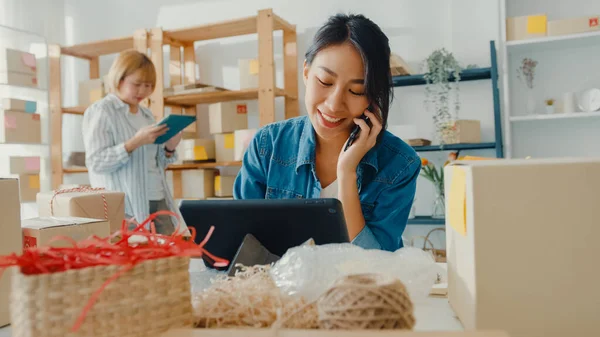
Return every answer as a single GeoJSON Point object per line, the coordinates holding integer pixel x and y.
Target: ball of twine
{"type": "Point", "coordinates": [366, 301]}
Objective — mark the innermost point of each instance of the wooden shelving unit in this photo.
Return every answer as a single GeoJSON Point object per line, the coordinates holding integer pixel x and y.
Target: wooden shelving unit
{"type": "Point", "coordinates": [182, 71]}
{"type": "Point", "coordinates": [87, 51]}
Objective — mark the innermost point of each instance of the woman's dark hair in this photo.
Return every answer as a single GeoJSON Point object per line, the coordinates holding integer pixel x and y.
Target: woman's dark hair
{"type": "Point", "coordinates": [373, 46]}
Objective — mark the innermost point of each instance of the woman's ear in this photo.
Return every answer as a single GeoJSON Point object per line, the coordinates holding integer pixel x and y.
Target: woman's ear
{"type": "Point", "coordinates": [305, 70]}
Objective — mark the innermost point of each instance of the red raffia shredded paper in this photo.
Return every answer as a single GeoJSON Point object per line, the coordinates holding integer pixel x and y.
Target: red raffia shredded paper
{"type": "Point", "coordinates": [96, 251]}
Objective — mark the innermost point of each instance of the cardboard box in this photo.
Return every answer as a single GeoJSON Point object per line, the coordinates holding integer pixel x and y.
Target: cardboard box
{"type": "Point", "coordinates": [198, 184]}
{"type": "Point", "coordinates": [224, 186]}
{"type": "Point", "coordinates": [29, 186]}
{"type": "Point", "coordinates": [16, 61]}
{"type": "Point", "coordinates": [88, 204]}
{"type": "Point", "coordinates": [19, 105]}
{"type": "Point", "coordinates": [464, 132]}
{"type": "Point", "coordinates": [20, 127]}
{"type": "Point", "coordinates": [227, 117]}
{"type": "Point", "coordinates": [197, 150]}
{"type": "Point", "coordinates": [521, 245]}
{"type": "Point", "coordinates": [91, 91]}
{"type": "Point", "coordinates": [267, 332]}
{"type": "Point", "coordinates": [243, 138]}
{"type": "Point", "coordinates": [225, 147]}
{"type": "Point", "coordinates": [20, 165]}
{"type": "Point", "coordinates": [248, 73]}
{"type": "Point", "coordinates": [574, 25]}
{"type": "Point", "coordinates": [19, 79]}
{"type": "Point", "coordinates": [37, 232]}
{"type": "Point", "coordinates": [10, 237]}
{"type": "Point", "coordinates": [526, 27]}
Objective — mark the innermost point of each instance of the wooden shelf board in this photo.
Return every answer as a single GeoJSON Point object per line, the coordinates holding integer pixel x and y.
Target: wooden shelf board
{"type": "Point", "coordinates": [571, 115]}
{"type": "Point", "coordinates": [98, 48]}
{"type": "Point", "coordinates": [216, 96]}
{"type": "Point", "coordinates": [176, 167]}
{"type": "Point", "coordinates": [243, 26]}
{"type": "Point", "coordinates": [76, 110]}
{"type": "Point", "coordinates": [68, 170]}
{"type": "Point", "coordinates": [281, 24]}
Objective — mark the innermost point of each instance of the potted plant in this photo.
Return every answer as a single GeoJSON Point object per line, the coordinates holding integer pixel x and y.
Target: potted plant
{"type": "Point", "coordinates": [550, 106]}
{"type": "Point", "coordinates": [526, 73]}
{"type": "Point", "coordinates": [440, 66]}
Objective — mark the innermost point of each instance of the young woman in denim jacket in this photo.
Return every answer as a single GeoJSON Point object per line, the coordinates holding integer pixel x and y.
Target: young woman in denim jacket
{"type": "Point", "coordinates": [346, 70]}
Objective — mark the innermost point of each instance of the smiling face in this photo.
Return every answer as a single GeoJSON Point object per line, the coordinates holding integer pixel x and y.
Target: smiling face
{"type": "Point", "coordinates": [135, 88]}
{"type": "Point", "coordinates": [335, 91]}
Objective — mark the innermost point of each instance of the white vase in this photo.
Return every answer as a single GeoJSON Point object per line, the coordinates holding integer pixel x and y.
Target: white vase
{"type": "Point", "coordinates": [549, 109]}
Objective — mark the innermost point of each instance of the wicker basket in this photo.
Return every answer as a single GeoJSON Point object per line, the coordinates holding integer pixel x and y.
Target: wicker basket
{"type": "Point", "coordinates": [148, 300]}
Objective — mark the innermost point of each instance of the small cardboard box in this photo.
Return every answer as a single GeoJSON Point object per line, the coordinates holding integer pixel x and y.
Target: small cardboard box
{"type": "Point", "coordinates": [521, 245]}
{"type": "Point", "coordinates": [224, 186]}
{"type": "Point", "coordinates": [198, 184]}
{"type": "Point", "coordinates": [29, 186]}
{"type": "Point", "coordinates": [574, 25]}
{"type": "Point", "coordinates": [197, 149]}
{"type": "Point", "coordinates": [20, 165]}
{"type": "Point", "coordinates": [37, 232]}
{"type": "Point", "coordinates": [248, 73]}
{"type": "Point", "coordinates": [243, 138]}
{"type": "Point", "coordinates": [526, 27]}
{"type": "Point", "coordinates": [227, 117]}
{"type": "Point", "coordinates": [225, 146]}
{"type": "Point", "coordinates": [91, 91]}
{"type": "Point", "coordinates": [16, 61]}
{"type": "Point", "coordinates": [19, 79]}
{"type": "Point", "coordinates": [20, 127]}
{"type": "Point", "coordinates": [10, 237]}
{"type": "Point", "coordinates": [87, 204]}
{"type": "Point", "coordinates": [19, 105]}
{"type": "Point", "coordinates": [463, 132]}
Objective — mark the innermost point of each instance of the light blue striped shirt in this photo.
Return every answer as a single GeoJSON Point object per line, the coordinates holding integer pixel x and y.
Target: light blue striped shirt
{"type": "Point", "coordinates": [105, 129]}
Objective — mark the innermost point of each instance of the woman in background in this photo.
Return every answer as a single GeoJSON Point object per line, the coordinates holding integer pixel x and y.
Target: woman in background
{"type": "Point", "coordinates": [347, 76]}
{"type": "Point", "coordinates": [119, 137]}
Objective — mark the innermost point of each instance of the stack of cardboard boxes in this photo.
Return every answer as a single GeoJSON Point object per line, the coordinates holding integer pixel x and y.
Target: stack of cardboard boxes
{"type": "Point", "coordinates": [27, 171]}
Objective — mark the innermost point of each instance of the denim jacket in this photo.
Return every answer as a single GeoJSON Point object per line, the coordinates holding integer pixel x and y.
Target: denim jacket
{"type": "Point", "coordinates": [280, 163]}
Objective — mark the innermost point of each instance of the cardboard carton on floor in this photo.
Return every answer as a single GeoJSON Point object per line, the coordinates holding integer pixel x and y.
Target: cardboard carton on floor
{"type": "Point", "coordinates": [20, 79]}
{"type": "Point", "coordinates": [227, 117]}
{"type": "Point", "coordinates": [19, 165]}
{"type": "Point", "coordinates": [224, 186]}
{"type": "Point", "coordinates": [521, 238]}
{"type": "Point", "coordinates": [38, 232]}
{"type": "Point", "coordinates": [85, 204]}
{"type": "Point", "coordinates": [526, 27]}
{"type": "Point", "coordinates": [242, 141]}
{"type": "Point", "coordinates": [16, 61]}
{"type": "Point", "coordinates": [574, 25]}
{"type": "Point", "coordinates": [20, 127]}
{"type": "Point", "coordinates": [225, 147]}
{"type": "Point", "coordinates": [198, 184]}
{"type": "Point", "coordinates": [91, 91]}
{"type": "Point", "coordinates": [197, 150]}
{"type": "Point", "coordinates": [10, 237]}
{"type": "Point", "coordinates": [19, 105]}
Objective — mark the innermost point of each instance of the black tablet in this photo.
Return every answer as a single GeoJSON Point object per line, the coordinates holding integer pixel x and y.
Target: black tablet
{"type": "Point", "coordinates": [278, 224]}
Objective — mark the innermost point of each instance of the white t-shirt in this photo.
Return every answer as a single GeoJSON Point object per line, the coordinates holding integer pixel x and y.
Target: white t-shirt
{"type": "Point", "coordinates": [330, 191]}
{"type": "Point", "coordinates": [155, 186]}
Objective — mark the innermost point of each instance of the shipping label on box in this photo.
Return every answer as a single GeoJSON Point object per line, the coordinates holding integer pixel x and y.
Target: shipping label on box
{"type": "Point", "coordinates": [20, 127]}
{"type": "Point", "coordinates": [227, 117]}
{"type": "Point", "coordinates": [97, 204]}
{"type": "Point", "coordinates": [198, 184]}
{"type": "Point", "coordinates": [197, 150]}
{"type": "Point", "coordinates": [10, 237]}
{"type": "Point", "coordinates": [243, 138]}
{"type": "Point", "coordinates": [38, 232]}
{"type": "Point", "coordinates": [573, 25]}
{"type": "Point", "coordinates": [12, 60]}
{"type": "Point", "coordinates": [91, 91]}
{"type": "Point", "coordinates": [225, 147]}
{"type": "Point", "coordinates": [526, 27]}
{"type": "Point", "coordinates": [496, 210]}
{"type": "Point", "coordinates": [19, 105]}
{"type": "Point", "coordinates": [19, 79]}
{"type": "Point", "coordinates": [224, 186]}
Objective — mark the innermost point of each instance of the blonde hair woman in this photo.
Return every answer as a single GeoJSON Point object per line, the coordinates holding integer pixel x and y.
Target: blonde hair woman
{"type": "Point", "coordinates": [119, 137]}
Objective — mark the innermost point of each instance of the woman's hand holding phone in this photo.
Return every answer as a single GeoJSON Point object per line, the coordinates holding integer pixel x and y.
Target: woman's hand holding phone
{"type": "Point", "coordinates": [355, 149]}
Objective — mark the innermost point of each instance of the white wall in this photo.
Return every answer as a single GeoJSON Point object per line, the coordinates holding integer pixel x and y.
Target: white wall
{"type": "Point", "coordinates": [415, 29]}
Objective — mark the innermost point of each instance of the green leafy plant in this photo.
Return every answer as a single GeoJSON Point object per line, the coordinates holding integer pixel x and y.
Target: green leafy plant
{"type": "Point", "coordinates": [439, 66]}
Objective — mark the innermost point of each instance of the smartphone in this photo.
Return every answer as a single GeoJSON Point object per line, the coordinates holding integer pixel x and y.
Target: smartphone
{"type": "Point", "coordinates": [356, 131]}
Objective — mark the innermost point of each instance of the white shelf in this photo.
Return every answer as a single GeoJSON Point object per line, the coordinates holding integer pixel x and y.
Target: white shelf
{"type": "Point", "coordinates": [7, 149]}
{"type": "Point", "coordinates": [555, 116]}
{"type": "Point", "coordinates": [555, 42]}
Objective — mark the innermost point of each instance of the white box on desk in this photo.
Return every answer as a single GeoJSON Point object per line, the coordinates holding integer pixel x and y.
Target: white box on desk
{"type": "Point", "coordinates": [521, 241]}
